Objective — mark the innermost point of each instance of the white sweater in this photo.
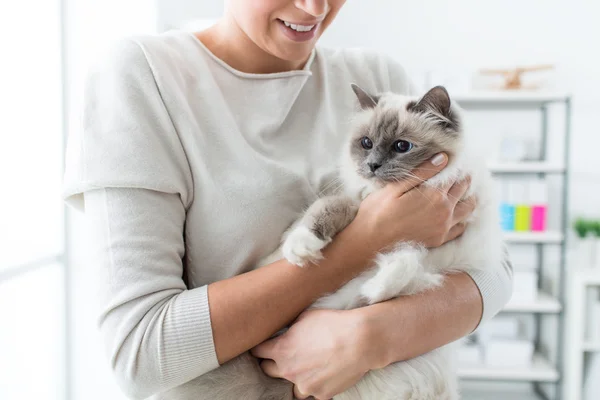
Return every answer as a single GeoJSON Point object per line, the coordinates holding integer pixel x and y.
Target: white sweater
{"type": "Point", "coordinates": [191, 172]}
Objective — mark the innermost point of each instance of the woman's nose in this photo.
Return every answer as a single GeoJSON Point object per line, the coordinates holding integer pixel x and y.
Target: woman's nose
{"type": "Point", "coordinates": [316, 8]}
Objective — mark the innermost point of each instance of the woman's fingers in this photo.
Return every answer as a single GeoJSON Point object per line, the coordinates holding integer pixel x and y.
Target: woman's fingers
{"type": "Point", "coordinates": [456, 231]}
{"type": "Point", "coordinates": [298, 394]}
{"type": "Point", "coordinates": [458, 190]}
{"type": "Point", "coordinates": [270, 368]}
{"type": "Point", "coordinates": [266, 349]}
{"type": "Point", "coordinates": [464, 209]}
{"type": "Point", "coordinates": [423, 172]}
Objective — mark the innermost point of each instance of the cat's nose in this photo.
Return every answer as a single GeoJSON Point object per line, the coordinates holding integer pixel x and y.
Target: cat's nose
{"type": "Point", "coordinates": [374, 166]}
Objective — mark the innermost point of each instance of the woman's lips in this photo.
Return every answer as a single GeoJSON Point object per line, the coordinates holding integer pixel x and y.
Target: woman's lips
{"type": "Point", "coordinates": [299, 32]}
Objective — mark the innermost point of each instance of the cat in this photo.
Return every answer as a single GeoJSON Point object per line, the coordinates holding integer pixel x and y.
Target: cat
{"type": "Point", "coordinates": [392, 135]}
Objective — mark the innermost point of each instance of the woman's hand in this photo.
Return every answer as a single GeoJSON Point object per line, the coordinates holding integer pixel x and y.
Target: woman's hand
{"type": "Point", "coordinates": [323, 353]}
{"type": "Point", "coordinates": [409, 211]}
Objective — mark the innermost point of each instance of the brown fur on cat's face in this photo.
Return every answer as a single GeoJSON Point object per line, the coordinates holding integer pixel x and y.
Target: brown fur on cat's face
{"type": "Point", "coordinates": [399, 134]}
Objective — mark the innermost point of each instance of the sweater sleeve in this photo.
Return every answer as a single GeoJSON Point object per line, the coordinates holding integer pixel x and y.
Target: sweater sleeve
{"type": "Point", "coordinates": [495, 283]}
{"type": "Point", "coordinates": [157, 334]}
{"type": "Point", "coordinates": [495, 286]}
{"type": "Point", "coordinates": [126, 137]}
{"type": "Point", "coordinates": [126, 168]}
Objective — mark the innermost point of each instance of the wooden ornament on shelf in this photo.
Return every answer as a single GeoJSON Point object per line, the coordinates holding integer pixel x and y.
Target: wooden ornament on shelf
{"type": "Point", "coordinates": [512, 77]}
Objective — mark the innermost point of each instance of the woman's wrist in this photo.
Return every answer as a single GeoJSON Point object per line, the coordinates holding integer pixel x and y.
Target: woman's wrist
{"type": "Point", "coordinates": [375, 345]}
{"type": "Point", "coordinates": [353, 248]}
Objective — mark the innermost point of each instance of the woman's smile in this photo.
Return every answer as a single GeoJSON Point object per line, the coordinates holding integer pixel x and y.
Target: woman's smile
{"type": "Point", "coordinates": [299, 32]}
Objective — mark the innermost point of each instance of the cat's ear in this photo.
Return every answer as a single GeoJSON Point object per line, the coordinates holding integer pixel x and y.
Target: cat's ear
{"type": "Point", "coordinates": [436, 100]}
{"type": "Point", "coordinates": [366, 100]}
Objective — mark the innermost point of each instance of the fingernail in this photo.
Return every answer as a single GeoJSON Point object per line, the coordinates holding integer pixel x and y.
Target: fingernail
{"type": "Point", "coordinates": [438, 159]}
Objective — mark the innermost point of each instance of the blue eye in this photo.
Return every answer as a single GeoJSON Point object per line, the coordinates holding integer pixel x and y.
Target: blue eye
{"type": "Point", "coordinates": [366, 143]}
{"type": "Point", "coordinates": [402, 146]}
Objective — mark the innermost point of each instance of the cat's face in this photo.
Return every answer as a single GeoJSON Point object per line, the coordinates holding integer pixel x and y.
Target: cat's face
{"type": "Point", "coordinates": [397, 134]}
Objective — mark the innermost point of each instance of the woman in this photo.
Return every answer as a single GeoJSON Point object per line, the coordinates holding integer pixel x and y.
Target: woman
{"type": "Point", "coordinates": [197, 152]}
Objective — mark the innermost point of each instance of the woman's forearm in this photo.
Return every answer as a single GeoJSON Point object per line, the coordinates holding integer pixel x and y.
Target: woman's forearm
{"type": "Point", "coordinates": [409, 326]}
{"type": "Point", "coordinates": [247, 309]}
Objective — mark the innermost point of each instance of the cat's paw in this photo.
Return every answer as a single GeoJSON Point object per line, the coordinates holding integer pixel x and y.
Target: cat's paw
{"type": "Point", "coordinates": [302, 247]}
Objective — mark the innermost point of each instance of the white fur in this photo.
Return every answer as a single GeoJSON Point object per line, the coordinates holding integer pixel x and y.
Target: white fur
{"type": "Point", "coordinates": [302, 247]}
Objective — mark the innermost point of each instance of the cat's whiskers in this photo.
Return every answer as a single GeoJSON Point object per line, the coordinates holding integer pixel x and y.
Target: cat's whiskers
{"type": "Point", "coordinates": [397, 180]}
{"type": "Point", "coordinates": [334, 185]}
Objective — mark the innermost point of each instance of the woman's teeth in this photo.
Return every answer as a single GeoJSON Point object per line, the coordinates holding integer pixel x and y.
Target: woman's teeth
{"type": "Point", "coordinates": [299, 28]}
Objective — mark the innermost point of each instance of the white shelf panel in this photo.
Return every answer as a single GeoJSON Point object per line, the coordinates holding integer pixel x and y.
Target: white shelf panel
{"type": "Point", "coordinates": [539, 371]}
{"type": "Point", "coordinates": [509, 97]}
{"type": "Point", "coordinates": [588, 276]}
{"type": "Point", "coordinates": [498, 395]}
{"type": "Point", "coordinates": [534, 237]}
{"type": "Point", "coordinates": [591, 346]}
{"type": "Point", "coordinates": [526, 167]}
{"type": "Point", "coordinates": [543, 304]}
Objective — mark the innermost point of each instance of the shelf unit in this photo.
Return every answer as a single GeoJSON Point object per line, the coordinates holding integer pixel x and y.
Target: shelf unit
{"type": "Point", "coordinates": [544, 303]}
{"type": "Point", "coordinates": [591, 346]}
{"type": "Point", "coordinates": [549, 237]}
{"type": "Point", "coordinates": [497, 395]}
{"type": "Point", "coordinates": [531, 167]}
{"type": "Point", "coordinates": [579, 281]}
{"type": "Point", "coordinates": [541, 371]}
{"type": "Point", "coordinates": [490, 100]}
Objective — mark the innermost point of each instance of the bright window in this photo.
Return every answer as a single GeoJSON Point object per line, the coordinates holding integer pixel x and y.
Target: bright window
{"type": "Point", "coordinates": [32, 291]}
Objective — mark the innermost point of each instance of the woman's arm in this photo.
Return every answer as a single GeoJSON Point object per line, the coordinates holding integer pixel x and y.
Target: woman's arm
{"type": "Point", "coordinates": [375, 336]}
{"type": "Point", "coordinates": [408, 326]}
{"type": "Point", "coordinates": [435, 318]}
{"type": "Point", "coordinates": [247, 309]}
{"type": "Point", "coordinates": [327, 351]}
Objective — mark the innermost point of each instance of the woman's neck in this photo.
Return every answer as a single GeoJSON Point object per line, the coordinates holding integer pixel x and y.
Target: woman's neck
{"type": "Point", "coordinates": [228, 42]}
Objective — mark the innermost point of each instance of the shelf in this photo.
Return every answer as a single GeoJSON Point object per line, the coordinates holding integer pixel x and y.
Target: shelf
{"type": "Point", "coordinates": [589, 276]}
{"type": "Point", "coordinates": [591, 346]}
{"type": "Point", "coordinates": [533, 237]}
{"type": "Point", "coordinates": [531, 167]}
{"type": "Point", "coordinates": [497, 395]}
{"type": "Point", "coordinates": [539, 371]}
{"type": "Point", "coordinates": [543, 304]}
{"type": "Point", "coordinates": [508, 99]}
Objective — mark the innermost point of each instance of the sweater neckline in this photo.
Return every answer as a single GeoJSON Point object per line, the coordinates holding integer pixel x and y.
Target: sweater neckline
{"type": "Point", "coordinates": [305, 71]}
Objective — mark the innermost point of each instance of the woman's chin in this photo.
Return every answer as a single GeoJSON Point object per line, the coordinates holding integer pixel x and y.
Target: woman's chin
{"type": "Point", "coordinates": [293, 51]}
{"type": "Point", "coordinates": [295, 55]}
